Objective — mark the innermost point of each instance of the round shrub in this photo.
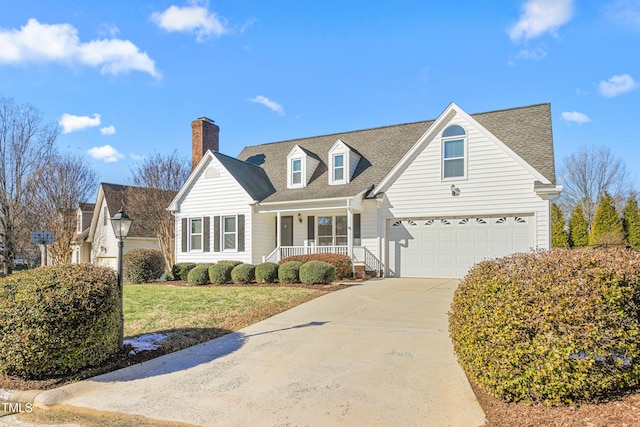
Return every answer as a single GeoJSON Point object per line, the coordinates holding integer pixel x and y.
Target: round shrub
{"type": "Point", "coordinates": [317, 272]}
{"type": "Point", "coordinates": [342, 263]}
{"type": "Point", "coordinates": [58, 320]}
{"type": "Point", "coordinates": [289, 272]}
{"type": "Point", "coordinates": [181, 270]}
{"type": "Point", "coordinates": [143, 265]}
{"type": "Point", "coordinates": [555, 326]}
{"type": "Point", "coordinates": [243, 273]}
{"type": "Point", "coordinates": [230, 262]}
{"type": "Point", "coordinates": [199, 275]}
{"type": "Point", "coordinates": [267, 272]}
{"type": "Point", "coordinates": [220, 273]}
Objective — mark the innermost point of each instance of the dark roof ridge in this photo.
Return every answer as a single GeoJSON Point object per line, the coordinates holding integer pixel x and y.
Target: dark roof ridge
{"type": "Point", "coordinates": [511, 109]}
{"type": "Point", "coordinates": [216, 153]}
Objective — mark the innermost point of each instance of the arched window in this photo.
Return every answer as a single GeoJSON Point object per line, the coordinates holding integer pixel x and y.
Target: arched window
{"type": "Point", "coordinates": [453, 152]}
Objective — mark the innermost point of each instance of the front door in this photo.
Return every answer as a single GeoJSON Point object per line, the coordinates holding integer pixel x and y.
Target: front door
{"type": "Point", "coordinates": [286, 231]}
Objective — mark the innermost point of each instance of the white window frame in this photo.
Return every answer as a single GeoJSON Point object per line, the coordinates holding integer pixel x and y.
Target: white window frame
{"type": "Point", "coordinates": [334, 168]}
{"type": "Point", "coordinates": [334, 229]}
{"type": "Point", "coordinates": [192, 234]}
{"type": "Point", "coordinates": [464, 156]}
{"type": "Point", "coordinates": [79, 222]}
{"type": "Point", "coordinates": [224, 233]}
{"type": "Point", "coordinates": [292, 172]}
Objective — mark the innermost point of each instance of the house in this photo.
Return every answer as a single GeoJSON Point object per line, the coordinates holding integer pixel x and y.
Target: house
{"type": "Point", "coordinates": [80, 247]}
{"type": "Point", "coordinates": [425, 199]}
{"type": "Point", "coordinates": [100, 236]}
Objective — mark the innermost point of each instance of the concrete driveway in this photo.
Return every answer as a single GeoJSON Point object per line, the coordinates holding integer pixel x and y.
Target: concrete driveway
{"type": "Point", "coordinates": [376, 354]}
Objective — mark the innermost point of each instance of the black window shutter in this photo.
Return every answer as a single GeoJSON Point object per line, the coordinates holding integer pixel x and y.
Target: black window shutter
{"type": "Point", "coordinates": [311, 228]}
{"type": "Point", "coordinates": [241, 233]}
{"type": "Point", "coordinates": [184, 234]}
{"type": "Point", "coordinates": [206, 234]}
{"type": "Point", "coordinates": [356, 226]}
{"type": "Point", "coordinates": [216, 234]}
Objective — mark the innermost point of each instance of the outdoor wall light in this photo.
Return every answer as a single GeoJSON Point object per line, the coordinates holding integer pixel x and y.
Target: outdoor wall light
{"type": "Point", "coordinates": [299, 218]}
{"type": "Point", "coordinates": [455, 191]}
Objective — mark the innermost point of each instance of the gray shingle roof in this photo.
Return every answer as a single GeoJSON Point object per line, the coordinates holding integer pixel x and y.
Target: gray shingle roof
{"type": "Point", "coordinates": [526, 130]}
{"type": "Point", "coordinates": [250, 176]}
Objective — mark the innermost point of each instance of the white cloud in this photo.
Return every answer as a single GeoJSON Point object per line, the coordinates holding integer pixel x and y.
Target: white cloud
{"type": "Point", "coordinates": [108, 130]}
{"type": "Point", "coordinates": [190, 19]}
{"type": "Point", "coordinates": [106, 153]}
{"type": "Point", "coordinates": [36, 42]}
{"type": "Point", "coordinates": [574, 116]}
{"type": "Point", "coordinates": [617, 85]}
{"type": "Point", "coordinates": [540, 17]}
{"type": "Point", "coordinates": [71, 123]}
{"type": "Point", "coordinates": [272, 105]}
{"type": "Point", "coordinates": [533, 54]}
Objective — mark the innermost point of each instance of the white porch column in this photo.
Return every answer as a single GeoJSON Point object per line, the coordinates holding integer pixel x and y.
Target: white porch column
{"type": "Point", "coordinates": [278, 229]}
{"type": "Point", "coordinates": [349, 229]}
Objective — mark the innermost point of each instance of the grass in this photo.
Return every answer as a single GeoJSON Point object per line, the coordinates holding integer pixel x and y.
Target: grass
{"type": "Point", "coordinates": [188, 315]}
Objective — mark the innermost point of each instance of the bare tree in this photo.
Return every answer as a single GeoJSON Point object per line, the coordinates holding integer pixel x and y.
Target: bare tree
{"type": "Point", "coordinates": [64, 182]}
{"type": "Point", "coordinates": [26, 142]}
{"type": "Point", "coordinates": [587, 175]}
{"type": "Point", "coordinates": [162, 177]}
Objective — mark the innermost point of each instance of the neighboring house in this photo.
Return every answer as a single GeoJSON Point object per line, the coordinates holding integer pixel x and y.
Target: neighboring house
{"type": "Point", "coordinates": [426, 199]}
{"type": "Point", "coordinates": [104, 245]}
{"type": "Point", "coordinates": [81, 248]}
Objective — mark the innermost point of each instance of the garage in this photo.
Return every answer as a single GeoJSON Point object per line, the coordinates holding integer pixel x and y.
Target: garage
{"type": "Point", "coordinates": [450, 246]}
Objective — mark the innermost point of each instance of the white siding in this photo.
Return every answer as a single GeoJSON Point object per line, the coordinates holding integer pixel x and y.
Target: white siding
{"type": "Point", "coordinates": [353, 163]}
{"type": "Point", "coordinates": [369, 231]}
{"type": "Point", "coordinates": [216, 196]}
{"type": "Point", "coordinates": [495, 184]}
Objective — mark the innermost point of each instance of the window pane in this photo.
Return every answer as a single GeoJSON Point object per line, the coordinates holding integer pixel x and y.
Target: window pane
{"type": "Point", "coordinates": [338, 161]}
{"type": "Point", "coordinates": [338, 174]}
{"type": "Point", "coordinates": [325, 226]}
{"type": "Point", "coordinates": [341, 226]}
{"type": "Point", "coordinates": [296, 178]}
{"type": "Point", "coordinates": [453, 168]}
{"type": "Point", "coordinates": [325, 241]}
{"type": "Point", "coordinates": [341, 240]}
{"type": "Point", "coordinates": [230, 241]}
{"type": "Point", "coordinates": [296, 165]}
{"type": "Point", "coordinates": [229, 224]}
{"type": "Point", "coordinates": [454, 130]}
{"type": "Point", "coordinates": [454, 148]}
{"type": "Point", "coordinates": [196, 226]}
{"type": "Point", "coordinates": [196, 242]}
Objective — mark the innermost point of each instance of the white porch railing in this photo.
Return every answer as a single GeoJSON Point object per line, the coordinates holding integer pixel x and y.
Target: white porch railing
{"type": "Point", "coordinates": [361, 254]}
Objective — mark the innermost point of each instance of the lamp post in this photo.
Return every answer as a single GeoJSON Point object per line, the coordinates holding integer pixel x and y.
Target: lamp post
{"type": "Point", "coordinates": [121, 223]}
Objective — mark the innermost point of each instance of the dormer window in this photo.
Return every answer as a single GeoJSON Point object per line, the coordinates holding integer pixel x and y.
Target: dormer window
{"type": "Point", "coordinates": [454, 141]}
{"type": "Point", "coordinates": [301, 164]}
{"type": "Point", "coordinates": [343, 162]}
{"type": "Point", "coordinates": [338, 168]}
{"type": "Point", "coordinates": [296, 172]}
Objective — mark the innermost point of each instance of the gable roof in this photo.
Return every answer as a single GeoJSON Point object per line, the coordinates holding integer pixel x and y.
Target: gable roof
{"type": "Point", "coordinates": [124, 196]}
{"type": "Point", "coordinates": [251, 177]}
{"type": "Point", "coordinates": [525, 130]}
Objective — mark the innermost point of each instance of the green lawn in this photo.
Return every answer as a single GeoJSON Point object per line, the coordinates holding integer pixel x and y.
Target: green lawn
{"type": "Point", "coordinates": [193, 314]}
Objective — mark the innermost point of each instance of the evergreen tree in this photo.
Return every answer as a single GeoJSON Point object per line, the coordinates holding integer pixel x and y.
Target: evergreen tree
{"type": "Point", "coordinates": [607, 226]}
{"type": "Point", "coordinates": [631, 221]}
{"type": "Point", "coordinates": [559, 237]}
{"type": "Point", "coordinates": [578, 228]}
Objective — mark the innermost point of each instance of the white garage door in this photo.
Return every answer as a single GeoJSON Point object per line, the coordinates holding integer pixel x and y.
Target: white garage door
{"type": "Point", "coordinates": [449, 247]}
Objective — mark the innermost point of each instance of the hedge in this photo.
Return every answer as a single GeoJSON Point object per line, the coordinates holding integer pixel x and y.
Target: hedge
{"type": "Point", "coordinates": [289, 272]}
{"type": "Point", "coordinates": [342, 263]}
{"type": "Point", "coordinates": [220, 273]}
{"type": "Point", "coordinates": [317, 272]}
{"type": "Point", "coordinates": [58, 320]}
{"type": "Point", "coordinates": [199, 275]}
{"type": "Point", "coordinates": [267, 272]}
{"type": "Point", "coordinates": [555, 326]}
{"type": "Point", "coordinates": [180, 271]}
{"type": "Point", "coordinates": [243, 273]}
{"type": "Point", "coordinates": [230, 262]}
{"type": "Point", "coordinates": [143, 265]}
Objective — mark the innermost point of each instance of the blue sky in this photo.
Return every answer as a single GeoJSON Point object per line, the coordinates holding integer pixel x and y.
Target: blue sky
{"type": "Point", "coordinates": [125, 79]}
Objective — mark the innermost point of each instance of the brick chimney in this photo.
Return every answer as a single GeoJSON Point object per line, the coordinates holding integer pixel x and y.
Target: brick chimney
{"type": "Point", "coordinates": [204, 136]}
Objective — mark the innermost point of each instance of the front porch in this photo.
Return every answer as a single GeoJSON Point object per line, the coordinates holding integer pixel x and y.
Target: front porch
{"type": "Point", "coordinates": [360, 255]}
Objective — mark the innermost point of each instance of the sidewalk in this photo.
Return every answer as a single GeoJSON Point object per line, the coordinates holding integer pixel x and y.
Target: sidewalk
{"type": "Point", "coordinates": [371, 355]}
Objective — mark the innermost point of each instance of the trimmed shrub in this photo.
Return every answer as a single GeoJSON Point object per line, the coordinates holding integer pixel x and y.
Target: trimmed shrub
{"type": "Point", "coordinates": [555, 326]}
{"type": "Point", "coordinates": [243, 273]}
{"type": "Point", "coordinates": [607, 229]}
{"type": "Point", "coordinates": [230, 262]}
{"type": "Point", "coordinates": [342, 263]}
{"type": "Point", "coordinates": [220, 273]}
{"type": "Point", "coordinates": [181, 270]}
{"type": "Point", "coordinates": [317, 272]}
{"type": "Point", "coordinates": [559, 237]}
{"type": "Point", "coordinates": [289, 272]}
{"type": "Point", "coordinates": [631, 221]}
{"type": "Point", "coordinates": [267, 272]}
{"type": "Point", "coordinates": [58, 320]}
{"type": "Point", "coordinates": [199, 275]}
{"type": "Point", "coordinates": [143, 265]}
{"type": "Point", "coordinates": [578, 228]}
